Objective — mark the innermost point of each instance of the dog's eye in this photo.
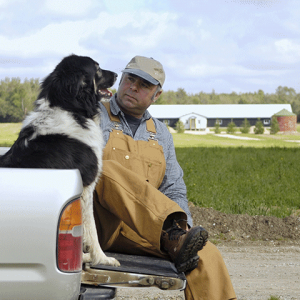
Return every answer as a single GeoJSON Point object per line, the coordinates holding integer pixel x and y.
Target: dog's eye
{"type": "Point", "coordinates": [99, 72]}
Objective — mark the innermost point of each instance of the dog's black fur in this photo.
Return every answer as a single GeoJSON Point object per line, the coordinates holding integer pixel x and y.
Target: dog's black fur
{"type": "Point", "coordinates": [71, 87]}
{"type": "Point", "coordinates": [63, 132]}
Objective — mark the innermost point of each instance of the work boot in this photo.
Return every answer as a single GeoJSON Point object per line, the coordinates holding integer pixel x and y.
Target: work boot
{"type": "Point", "coordinates": [182, 246]}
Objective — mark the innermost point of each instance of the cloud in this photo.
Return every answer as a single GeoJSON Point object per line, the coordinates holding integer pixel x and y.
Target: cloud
{"type": "Point", "coordinates": [289, 50]}
{"type": "Point", "coordinates": [225, 45]}
{"type": "Point", "coordinates": [68, 7]}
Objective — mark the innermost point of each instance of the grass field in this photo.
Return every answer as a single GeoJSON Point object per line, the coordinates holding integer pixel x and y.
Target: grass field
{"type": "Point", "coordinates": [9, 133]}
{"type": "Point", "coordinates": [257, 181]}
{"type": "Point", "coordinates": [258, 177]}
{"type": "Point", "coordinates": [211, 140]}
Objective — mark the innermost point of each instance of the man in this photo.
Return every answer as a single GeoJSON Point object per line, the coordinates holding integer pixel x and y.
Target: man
{"type": "Point", "coordinates": [140, 202]}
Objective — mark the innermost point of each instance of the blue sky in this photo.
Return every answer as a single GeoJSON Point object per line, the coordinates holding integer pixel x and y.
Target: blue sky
{"type": "Point", "coordinates": [225, 45]}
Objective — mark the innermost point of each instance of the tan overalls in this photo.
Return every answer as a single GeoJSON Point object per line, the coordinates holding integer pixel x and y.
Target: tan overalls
{"type": "Point", "coordinates": [130, 210]}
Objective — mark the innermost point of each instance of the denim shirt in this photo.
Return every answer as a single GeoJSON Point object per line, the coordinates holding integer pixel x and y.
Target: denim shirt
{"type": "Point", "coordinates": [172, 185]}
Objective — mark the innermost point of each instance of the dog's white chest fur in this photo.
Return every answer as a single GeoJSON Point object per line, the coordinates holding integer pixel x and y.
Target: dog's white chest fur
{"type": "Point", "coordinates": [49, 120]}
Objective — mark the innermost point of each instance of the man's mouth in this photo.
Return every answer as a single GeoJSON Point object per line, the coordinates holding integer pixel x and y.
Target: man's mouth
{"type": "Point", "coordinates": [130, 96]}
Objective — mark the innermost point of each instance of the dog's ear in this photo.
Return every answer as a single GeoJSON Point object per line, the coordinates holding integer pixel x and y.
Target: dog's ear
{"type": "Point", "coordinates": [60, 86]}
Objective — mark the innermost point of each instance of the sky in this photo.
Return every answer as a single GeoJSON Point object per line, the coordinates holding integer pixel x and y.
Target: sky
{"type": "Point", "coordinates": [222, 45]}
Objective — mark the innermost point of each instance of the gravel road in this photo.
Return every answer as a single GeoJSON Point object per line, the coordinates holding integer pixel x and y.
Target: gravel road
{"type": "Point", "coordinates": [257, 272]}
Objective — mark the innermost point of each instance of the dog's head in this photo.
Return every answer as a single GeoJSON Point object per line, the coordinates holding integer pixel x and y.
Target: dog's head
{"type": "Point", "coordinates": [77, 84]}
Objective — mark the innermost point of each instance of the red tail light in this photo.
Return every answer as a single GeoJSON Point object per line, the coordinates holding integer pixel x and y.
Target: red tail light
{"type": "Point", "coordinates": [69, 245]}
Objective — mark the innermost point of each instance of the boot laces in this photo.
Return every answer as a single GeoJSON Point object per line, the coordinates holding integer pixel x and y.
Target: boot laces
{"type": "Point", "coordinates": [175, 231]}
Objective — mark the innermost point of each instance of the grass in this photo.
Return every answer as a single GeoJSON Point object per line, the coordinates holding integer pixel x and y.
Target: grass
{"type": "Point", "coordinates": [9, 133]}
{"type": "Point", "coordinates": [241, 176]}
{"type": "Point", "coordinates": [242, 180]}
{"type": "Point", "coordinates": [211, 140]}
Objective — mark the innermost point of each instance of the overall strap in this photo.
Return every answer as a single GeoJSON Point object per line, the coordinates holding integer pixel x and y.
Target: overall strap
{"type": "Point", "coordinates": [149, 123]}
{"type": "Point", "coordinates": [150, 126]}
{"type": "Point", "coordinates": [112, 117]}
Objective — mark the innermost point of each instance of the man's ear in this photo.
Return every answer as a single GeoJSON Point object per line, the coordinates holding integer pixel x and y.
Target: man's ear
{"type": "Point", "coordinates": [157, 96]}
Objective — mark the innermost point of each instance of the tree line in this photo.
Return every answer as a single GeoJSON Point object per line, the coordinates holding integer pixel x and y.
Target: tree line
{"type": "Point", "coordinates": [17, 98]}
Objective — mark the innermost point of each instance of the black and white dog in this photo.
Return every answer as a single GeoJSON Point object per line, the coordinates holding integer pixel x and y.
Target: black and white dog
{"type": "Point", "coordinates": [63, 132]}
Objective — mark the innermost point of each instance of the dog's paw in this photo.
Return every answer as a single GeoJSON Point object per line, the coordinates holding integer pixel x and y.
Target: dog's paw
{"type": "Point", "coordinates": [100, 260]}
{"type": "Point", "coordinates": [108, 261]}
{"type": "Point", "coordinates": [86, 258]}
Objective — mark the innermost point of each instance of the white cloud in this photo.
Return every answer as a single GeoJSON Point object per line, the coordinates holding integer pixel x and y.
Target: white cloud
{"type": "Point", "coordinates": [68, 7]}
{"type": "Point", "coordinates": [57, 38]}
{"type": "Point", "coordinates": [232, 43]}
{"type": "Point", "coordinates": [289, 50]}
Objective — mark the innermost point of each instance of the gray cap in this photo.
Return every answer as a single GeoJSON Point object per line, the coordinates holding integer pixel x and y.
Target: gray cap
{"type": "Point", "coordinates": [146, 68]}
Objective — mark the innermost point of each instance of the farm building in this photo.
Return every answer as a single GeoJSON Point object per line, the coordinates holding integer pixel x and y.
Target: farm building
{"type": "Point", "coordinates": [287, 120]}
{"type": "Point", "coordinates": [201, 116]}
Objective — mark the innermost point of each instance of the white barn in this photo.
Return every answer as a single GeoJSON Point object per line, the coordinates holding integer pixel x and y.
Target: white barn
{"type": "Point", "coordinates": [201, 116]}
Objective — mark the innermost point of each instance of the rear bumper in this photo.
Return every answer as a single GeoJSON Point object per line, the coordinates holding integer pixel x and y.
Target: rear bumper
{"type": "Point", "coordinates": [95, 293]}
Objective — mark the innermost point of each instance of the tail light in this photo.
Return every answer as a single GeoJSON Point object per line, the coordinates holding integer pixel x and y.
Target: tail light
{"type": "Point", "coordinates": [69, 245]}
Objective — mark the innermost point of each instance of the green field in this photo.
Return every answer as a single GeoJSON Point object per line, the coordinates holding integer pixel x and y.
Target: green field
{"type": "Point", "coordinates": [241, 176]}
{"type": "Point", "coordinates": [257, 181]}
{"type": "Point", "coordinates": [9, 133]}
{"type": "Point", "coordinates": [258, 177]}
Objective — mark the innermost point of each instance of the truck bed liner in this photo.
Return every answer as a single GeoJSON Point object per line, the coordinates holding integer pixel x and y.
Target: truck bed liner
{"type": "Point", "coordinates": [142, 265]}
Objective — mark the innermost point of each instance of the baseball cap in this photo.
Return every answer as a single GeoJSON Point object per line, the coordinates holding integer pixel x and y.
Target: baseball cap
{"type": "Point", "coordinates": [146, 68]}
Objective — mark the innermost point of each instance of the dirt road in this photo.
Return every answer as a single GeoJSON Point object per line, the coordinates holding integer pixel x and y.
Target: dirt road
{"type": "Point", "coordinates": [257, 272]}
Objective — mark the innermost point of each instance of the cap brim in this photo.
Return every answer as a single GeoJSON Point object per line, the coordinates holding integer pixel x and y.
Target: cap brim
{"type": "Point", "coordinates": [142, 74]}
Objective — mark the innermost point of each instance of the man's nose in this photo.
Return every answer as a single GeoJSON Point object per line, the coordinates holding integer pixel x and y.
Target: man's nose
{"type": "Point", "coordinates": [134, 85]}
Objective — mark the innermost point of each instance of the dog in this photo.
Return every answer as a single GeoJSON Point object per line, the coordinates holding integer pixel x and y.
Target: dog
{"type": "Point", "coordinates": [63, 132]}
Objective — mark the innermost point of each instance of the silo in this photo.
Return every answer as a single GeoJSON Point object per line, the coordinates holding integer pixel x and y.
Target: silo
{"type": "Point", "coordinates": [287, 120]}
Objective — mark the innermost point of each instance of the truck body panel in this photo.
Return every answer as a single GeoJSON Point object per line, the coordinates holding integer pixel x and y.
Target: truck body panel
{"type": "Point", "coordinates": [31, 201]}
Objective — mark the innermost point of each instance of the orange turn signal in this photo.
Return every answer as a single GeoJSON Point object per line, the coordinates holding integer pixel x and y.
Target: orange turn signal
{"type": "Point", "coordinates": [71, 216]}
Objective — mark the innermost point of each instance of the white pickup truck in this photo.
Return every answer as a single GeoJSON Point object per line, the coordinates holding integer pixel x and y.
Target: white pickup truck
{"type": "Point", "coordinates": [41, 243]}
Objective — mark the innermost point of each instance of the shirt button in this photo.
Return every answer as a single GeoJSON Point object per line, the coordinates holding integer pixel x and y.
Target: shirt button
{"type": "Point", "coordinates": [127, 157]}
{"type": "Point", "coordinates": [114, 148]}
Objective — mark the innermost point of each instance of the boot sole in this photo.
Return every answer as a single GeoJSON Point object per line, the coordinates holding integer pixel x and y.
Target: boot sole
{"type": "Point", "coordinates": [187, 257]}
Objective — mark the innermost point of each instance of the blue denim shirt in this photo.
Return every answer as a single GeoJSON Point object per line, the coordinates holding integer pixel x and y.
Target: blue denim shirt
{"type": "Point", "coordinates": [172, 185]}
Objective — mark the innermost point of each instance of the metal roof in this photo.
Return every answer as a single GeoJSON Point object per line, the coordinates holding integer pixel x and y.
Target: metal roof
{"type": "Point", "coordinates": [284, 113]}
{"type": "Point", "coordinates": [220, 111]}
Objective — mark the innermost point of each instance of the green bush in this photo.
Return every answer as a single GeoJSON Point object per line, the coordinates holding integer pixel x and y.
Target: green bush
{"type": "Point", "coordinates": [217, 127]}
{"type": "Point", "coordinates": [231, 127]}
{"type": "Point", "coordinates": [259, 127]}
{"type": "Point", "coordinates": [245, 126]}
{"type": "Point", "coordinates": [179, 127]}
{"type": "Point", "coordinates": [274, 125]}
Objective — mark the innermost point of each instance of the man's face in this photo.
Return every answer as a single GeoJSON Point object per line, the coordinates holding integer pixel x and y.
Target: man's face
{"type": "Point", "coordinates": [135, 95]}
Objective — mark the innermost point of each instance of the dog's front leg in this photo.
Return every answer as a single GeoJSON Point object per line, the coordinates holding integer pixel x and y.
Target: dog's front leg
{"type": "Point", "coordinates": [91, 245]}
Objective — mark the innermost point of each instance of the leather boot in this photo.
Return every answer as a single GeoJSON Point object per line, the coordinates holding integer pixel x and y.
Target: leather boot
{"type": "Point", "coordinates": [182, 246]}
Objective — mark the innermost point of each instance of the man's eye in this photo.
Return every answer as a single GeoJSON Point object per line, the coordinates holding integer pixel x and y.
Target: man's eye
{"type": "Point", "coordinates": [145, 85]}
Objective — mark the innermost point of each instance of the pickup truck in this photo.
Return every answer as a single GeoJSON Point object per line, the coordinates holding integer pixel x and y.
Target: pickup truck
{"type": "Point", "coordinates": [41, 243]}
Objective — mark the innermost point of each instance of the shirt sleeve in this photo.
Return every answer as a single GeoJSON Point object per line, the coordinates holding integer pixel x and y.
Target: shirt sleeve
{"type": "Point", "coordinates": [173, 185]}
